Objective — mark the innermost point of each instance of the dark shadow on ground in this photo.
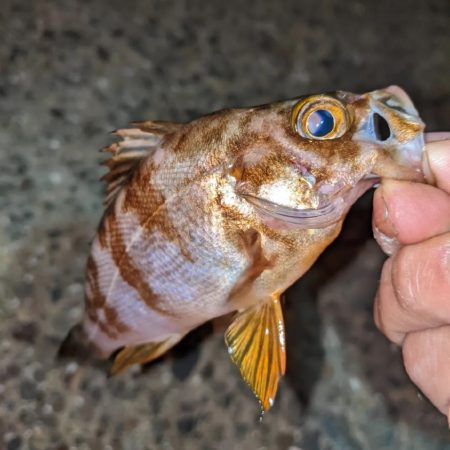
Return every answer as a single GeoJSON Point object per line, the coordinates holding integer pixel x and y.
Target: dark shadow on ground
{"type": "Point", "coordinates": [305, 355]}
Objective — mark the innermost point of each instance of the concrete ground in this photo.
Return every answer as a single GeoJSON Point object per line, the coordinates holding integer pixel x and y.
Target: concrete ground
{"type": "Point", "coordinates": [71, 71]}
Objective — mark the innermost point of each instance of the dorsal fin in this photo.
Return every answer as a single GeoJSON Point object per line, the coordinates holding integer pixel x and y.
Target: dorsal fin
{"type": "Point", "coordinates": [135, 145]}
{"type": "Point", "coordinates": [157, 127]}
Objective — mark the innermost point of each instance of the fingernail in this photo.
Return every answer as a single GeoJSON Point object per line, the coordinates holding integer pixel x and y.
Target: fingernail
{"type": "Point", "coordinates": [387, 237]}
{"type": "Point", "coordinates": [389, 244]}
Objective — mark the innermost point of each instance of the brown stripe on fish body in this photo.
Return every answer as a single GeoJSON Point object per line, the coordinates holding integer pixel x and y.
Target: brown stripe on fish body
{"type": "Point", "coordinates": [161, 221]}
{"type": "Point", "coordinates": [113, 319]}
{"type": "Point", "coordinates": [211, 140]}
{"type": "Point", "coordinates": [141, 196]}
{"type": "Point", "coordinates": [145, 200]}
{"type": "Point", "coordinates": [96, 302]}
{"type": "Point", "coordinates": [133, 275]}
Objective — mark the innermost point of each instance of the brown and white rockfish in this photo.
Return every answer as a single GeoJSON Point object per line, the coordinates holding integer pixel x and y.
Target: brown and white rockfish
{"type": "Point", "coordinates": [224, 213]}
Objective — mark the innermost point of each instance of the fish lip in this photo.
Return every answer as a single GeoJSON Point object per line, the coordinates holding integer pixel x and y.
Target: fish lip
{"type": "Point", "coordinates": [371, 176]}
{"type": "Point", "coordinates": [363, 185]}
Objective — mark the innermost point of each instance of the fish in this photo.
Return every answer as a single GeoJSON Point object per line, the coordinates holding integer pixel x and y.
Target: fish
{"type": "Point", "coordinates": [220, 215]}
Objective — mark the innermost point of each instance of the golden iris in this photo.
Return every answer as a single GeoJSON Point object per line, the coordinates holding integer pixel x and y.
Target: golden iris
{"type": "Point", "coordinates": [320, 117]}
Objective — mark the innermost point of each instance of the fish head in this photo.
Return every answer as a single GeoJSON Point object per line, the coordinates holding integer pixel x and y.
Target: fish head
{"type": "Point", "coordinates": [308, 160]}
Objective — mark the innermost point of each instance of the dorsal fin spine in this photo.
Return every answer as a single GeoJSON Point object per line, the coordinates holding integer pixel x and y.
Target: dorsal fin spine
{"type": "Point", "coordinates": [126, 154]}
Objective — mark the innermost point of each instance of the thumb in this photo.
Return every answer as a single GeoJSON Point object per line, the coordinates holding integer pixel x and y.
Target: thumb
{"type": "Point", "coordinates": [436, 164]}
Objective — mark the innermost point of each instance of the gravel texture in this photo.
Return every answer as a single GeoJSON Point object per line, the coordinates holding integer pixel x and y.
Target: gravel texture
{"type": "Point", "coordinates": [71, 71]}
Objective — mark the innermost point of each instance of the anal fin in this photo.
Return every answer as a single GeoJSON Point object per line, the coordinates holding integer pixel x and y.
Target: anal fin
{"type": "Point", "coordinates": [256, 344]}
{"type": "Point", "coordinates": [141, 354]}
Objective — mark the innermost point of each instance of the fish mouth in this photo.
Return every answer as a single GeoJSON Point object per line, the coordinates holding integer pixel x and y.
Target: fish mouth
{"type": "Point", "coordinates": [331, 210]}
{"type": "Point", "coordinates": [393, 124]}
{"type": "Point", "coordinates": [361, 187]}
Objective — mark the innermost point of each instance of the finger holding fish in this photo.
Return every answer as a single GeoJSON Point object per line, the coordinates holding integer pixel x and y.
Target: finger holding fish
{"type": "Point", "coordinates": [411, 306]}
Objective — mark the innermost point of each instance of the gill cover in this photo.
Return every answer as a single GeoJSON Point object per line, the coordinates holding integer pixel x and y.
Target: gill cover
{"type": "Point", "coordinates": [316, 117]}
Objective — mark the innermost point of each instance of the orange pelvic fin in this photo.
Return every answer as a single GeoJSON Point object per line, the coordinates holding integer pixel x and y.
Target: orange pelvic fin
{"type": "Point", "coordinates": [256, 344]}
{"type": "Point", "coordinates": [141, 354]}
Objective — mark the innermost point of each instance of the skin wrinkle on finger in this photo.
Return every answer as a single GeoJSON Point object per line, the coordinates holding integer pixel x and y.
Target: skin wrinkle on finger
{"type": "Point", "coordinates": [426, 360]}
{"type": "Point", "coordinates": [414, 280]}
{"type": "Point", "coordinates": [385, 297]}
{"type": "Point", "coordinates": [446, 260]}
{"type": "Point", "coordinates": [413, 290]}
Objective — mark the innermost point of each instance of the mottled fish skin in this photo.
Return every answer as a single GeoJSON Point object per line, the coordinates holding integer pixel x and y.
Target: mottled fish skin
{"type": "Point", "coordinates": [173, 249]}
{"type": "Point", "coordinates": [182, 240]}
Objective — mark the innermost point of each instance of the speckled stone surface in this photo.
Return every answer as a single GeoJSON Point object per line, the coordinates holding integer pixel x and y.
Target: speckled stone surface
{"type": "Point", "coordinates": [70, 71]}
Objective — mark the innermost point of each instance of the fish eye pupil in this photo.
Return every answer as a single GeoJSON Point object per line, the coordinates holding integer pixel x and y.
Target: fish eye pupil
{"type": "Point", "coordinates": [320, 122]}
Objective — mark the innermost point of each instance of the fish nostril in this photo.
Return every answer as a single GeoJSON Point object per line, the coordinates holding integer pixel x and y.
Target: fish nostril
{"type": "Point", "coordinates": [381, 127]}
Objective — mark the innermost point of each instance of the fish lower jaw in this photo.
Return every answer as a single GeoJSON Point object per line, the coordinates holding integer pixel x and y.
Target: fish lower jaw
{"type": "Point", "coordinates": [362, 186]}
{"type": "Point", "coordinates": [330, 211]}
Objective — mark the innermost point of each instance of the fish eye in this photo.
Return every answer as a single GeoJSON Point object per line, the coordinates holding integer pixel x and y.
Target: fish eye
{"type": "Point", "coordinates": [320, 122]}
{"type": "Point", "coordinates": [320, 117]}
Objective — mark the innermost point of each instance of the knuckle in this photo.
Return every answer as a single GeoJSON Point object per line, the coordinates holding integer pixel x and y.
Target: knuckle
{"type": "Point", "coordinates": [411, 360]}
{"type": "Point", "coordinates": [384, 315]}
{"type": "Point", "coordinates": [382, 299]}
{"type": "Point", "coordinates": [378, 313]}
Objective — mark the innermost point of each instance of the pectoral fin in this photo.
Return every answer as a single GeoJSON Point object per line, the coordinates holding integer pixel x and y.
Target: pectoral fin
{"type": "Point", "coordinates": [256, 344]}
{"type": "Point", "coordinates": [141, 354]}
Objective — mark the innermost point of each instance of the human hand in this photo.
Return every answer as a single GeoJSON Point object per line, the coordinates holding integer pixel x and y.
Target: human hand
{"type": "Point", "coordinates": [411, 222]}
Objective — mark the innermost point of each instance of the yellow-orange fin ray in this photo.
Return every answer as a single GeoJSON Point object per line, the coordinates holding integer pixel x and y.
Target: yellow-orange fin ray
{"type": "Point", "coordinates": [141, 354]}
{"type": "Point", "coordinates": [256, 344]}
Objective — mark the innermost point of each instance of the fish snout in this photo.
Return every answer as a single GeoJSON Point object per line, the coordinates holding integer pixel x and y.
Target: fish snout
{"type": "Point", "coordinates": [393, 124]}
{"type": "Point", "coordinates": [410, 130]}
